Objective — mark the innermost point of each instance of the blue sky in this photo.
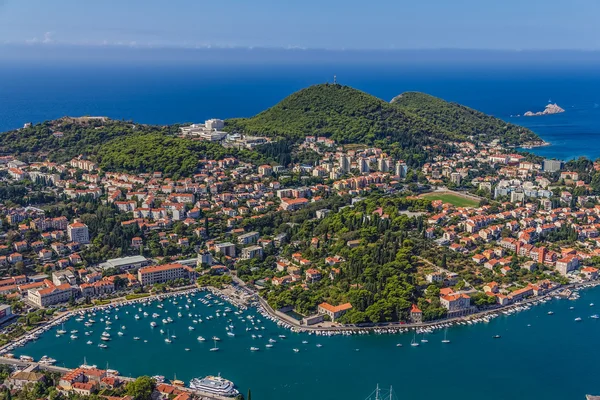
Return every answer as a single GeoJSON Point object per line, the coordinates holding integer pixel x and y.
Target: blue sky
{"type": "Point", "coordinates": [332, 24]}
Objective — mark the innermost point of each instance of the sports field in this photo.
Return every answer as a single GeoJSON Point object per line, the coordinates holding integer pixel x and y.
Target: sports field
{"type": "Point", "coordinates": [451, 198]}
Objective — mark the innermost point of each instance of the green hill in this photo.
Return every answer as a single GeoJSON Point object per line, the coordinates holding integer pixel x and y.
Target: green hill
{"type": "Point", "coordinates": [462, 120]}
{"type": "Point", "coordinates": [348, 115]}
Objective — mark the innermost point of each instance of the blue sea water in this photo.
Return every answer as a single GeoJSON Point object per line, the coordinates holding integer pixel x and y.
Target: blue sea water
{"type": "Point", "coordinates": [539, 356]}
{"type": "Point", "coordinates": [168, 94]}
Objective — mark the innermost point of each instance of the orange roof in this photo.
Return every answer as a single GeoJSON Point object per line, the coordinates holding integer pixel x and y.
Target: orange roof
{"type": "Point", "coordinates": [335, 309]}
{"type": "Point", "coordinates": [158, 268]}
{"type": "Point", "coordinates": [415, 309]}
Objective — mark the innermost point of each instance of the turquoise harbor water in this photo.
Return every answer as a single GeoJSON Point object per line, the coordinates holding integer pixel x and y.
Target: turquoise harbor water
{"type": "Point", "coordinates": [553, 358]}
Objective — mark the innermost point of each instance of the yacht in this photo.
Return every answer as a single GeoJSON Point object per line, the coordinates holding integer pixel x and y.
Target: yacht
{"type": "Point", "coordinates": [201, 339]}
{"type": "Point", "coordinates": [254, 349]}
{"type": "Point", "coordinates": [153, 324]}
{"type": "Point", "coordinates": [215, 348]}
{"type": "Point", "coordinates": [296, 350]}
{"type": "Point", "coordinates": [102, 346]}
{"type": "Point", "coordinates": [73, 337]}
{"type": "Point", "coordinates": [214, 385]}
{"type": "Point", "coordinates": [136, 338]}
{"type": "Point", "coordinates": [216, 339]}
{"type": "Point", "coordinates": [550, 312]}
{"type": "Point", "coordinates": [61, 331]}
{"type": "Point", "coordinates": [89, 342]}
{"type": "Point", "coordinates": [595, 316]}
{"type": "Point", "coordinates": [319, 345]}
{"type": "Point", "coordinates": [229, 333]}
{"type": "Point", "coordinates": [268, 346]}
{"type": "Point", "coordinates": [577, 319]}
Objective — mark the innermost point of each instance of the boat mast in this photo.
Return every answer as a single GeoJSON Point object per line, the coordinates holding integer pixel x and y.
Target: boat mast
{"type": "Point", "coordinates": [377, 392]}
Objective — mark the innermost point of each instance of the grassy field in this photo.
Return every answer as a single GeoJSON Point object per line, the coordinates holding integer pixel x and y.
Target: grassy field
{"type": "Point", "coordinates": [454, 199]}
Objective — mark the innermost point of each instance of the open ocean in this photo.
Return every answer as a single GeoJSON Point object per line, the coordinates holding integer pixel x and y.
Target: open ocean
{"type": "Point", "coordinates": [169, 94]}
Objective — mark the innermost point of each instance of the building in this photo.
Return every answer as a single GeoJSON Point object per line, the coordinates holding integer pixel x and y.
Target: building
{"type": "Point", "coordinates": [416, 315]}
{"type": "Point", "coordinates": [24, 378]}
{"type": "Point", "coordinates": [552, 165]}
{"type": "Point", "coordinates": [162, 274]}
{"type": "Point", "coordinates": [214, 124]}
{"type": "Point", "coordinates": [50, 295]}
{"type": "Point", "coordinates": [124, 263]}
{"type": "Point", "coordinates": [226, 248]}
{"type": "Point", "coordinates": [334, 312]}
{"type": "Point", "coordinates": [78, 232]}
{"type": "Point", "coordinates": [455, 178]}
{"type": "Point", "coordinates": [64, 276]}
{"type": "Point", "coordinates": [252, 252]}
{"type": "Point", "coordinates": [456, 304]}
{"type": "Point", "coordinates": [248, 238]}
{"type": "Point", "coordinates": [567, 264]}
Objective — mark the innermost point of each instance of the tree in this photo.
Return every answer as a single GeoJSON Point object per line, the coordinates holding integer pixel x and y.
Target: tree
{"type": "Point", "coordinates": [141, 388]}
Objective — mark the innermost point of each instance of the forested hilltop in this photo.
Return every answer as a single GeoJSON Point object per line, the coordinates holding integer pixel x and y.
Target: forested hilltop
{"type": "Point", "coordinates": [348, 115]}
{"type": "Point", "coordinates": [459, 119]}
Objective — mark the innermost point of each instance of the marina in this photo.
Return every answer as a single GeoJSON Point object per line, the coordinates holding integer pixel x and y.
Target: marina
{"type": "Point", "coordinates": [298, 361]}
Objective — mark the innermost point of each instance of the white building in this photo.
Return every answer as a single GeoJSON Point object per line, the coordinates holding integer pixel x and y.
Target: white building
{"type": "Point", "coordinates": [78, 232]}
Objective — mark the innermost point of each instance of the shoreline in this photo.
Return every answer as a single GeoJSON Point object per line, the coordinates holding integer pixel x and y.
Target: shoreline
{"type": "Point", "coordinates": [399, 328]}
{"type": "Point", "coordinates": [286, 322]}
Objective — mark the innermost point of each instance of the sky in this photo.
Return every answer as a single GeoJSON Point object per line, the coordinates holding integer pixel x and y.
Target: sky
{"type": "Point", "coordinates": [312, 24]}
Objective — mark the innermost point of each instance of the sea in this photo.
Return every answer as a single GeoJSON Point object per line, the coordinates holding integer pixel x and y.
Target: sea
{"type": "Point", "coordinates": [538, 356]}
{"type": "Point", "coordinates": [165, 94]}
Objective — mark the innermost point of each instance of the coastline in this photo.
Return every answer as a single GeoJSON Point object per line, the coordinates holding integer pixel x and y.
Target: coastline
{"type": "Point", "coordinates": [287, 322]}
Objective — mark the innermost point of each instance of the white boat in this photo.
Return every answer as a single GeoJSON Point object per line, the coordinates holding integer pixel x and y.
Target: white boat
{"type": "Point", "coordinates": [214, 385]}
{"type": "Point", "coordinates": [216, 339]}
{"type": "Point", "coordinates": [61, 331]}
{"type": "Point", "coordinates": [577, 319]}
{"type": "Point", "coordinates": [136, 338]}
{"type": "Point", "coordinates": [550, 312]}
{"type": "Point", "coordinates": [445, 341]}
{"type": "Point", "coordinates": [268, 345]}
{"type": "Point", "coordinates": [153, 324]}
{"type": "Point", "coordinates": [89, 342]}
{"type": "Point", "coordinates": [230, 334]}
{"type": "Point", "coordinates": [319, 345]}
{"type": "Point", "coordinates": [102, 346]}
{"type": "Point", "coordinates": [254, 349]}
{"type": "Point", "coordinates": [26, 358]}
{"type": "Point", "coordinates": [414, 343]}
{"type": "Point", "coordinates": [120, 333]}
{"type": "Point", "coordinates": [201, 339]}
{"type": "Point", "coordinates": [136, 316]}
{"type": "Point", "coordinates": [73, 337]}
{"type": "Point", "coordinates": [191, 328]}
{"type": "Point", "coordinates": [214, 348]}
{"type": "Point", "coordinates": [296, 350]}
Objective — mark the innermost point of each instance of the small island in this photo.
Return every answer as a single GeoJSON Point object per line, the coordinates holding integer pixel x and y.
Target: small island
{"type": "Point", "coordinates": [550, 109]}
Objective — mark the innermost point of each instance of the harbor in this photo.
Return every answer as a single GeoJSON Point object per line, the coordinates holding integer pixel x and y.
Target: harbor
{"type": "Point", "coordinates": [256, 345]}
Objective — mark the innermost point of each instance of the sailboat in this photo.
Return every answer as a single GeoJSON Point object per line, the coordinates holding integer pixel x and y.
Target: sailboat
{"type": "Point", "coordinates": [215, 348]}
{"type": "Point", "coordinates": [167, 340]}
{"type": "Point", "coordinates": [414, 342]}
{"type": "Point", "coordinates": [445, 337]}
{"type": "Point", "coordinates": [61, 331]}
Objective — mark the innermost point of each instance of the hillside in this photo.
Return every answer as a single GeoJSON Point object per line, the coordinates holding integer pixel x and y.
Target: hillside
{"type": "Point", "coordinates": [345, 114]}
{"type": "Point", "coordinates": [62, 139]}
{"type": "Point", "coordinates": [174, 156]}
{"type": "Point", "coordinates": [348, 115]}
{"type": "Point", "coordinates": [458, 119]}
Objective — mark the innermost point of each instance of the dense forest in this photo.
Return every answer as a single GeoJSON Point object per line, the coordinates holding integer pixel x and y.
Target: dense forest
{"type": "Point", "coordinates": [173, 156]}
{"type": "Point", "coordinates": [65, 138]}
{"type": "Point", "coordinates": [458, 119]}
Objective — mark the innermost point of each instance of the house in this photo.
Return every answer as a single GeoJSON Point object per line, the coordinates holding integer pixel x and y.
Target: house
{"type": "Point", "coordinates": [416, 315]}
{"type": "Point", "coordinates": [456, 304]}
{"type": "Point", "coordinates": [567, 264]}
{"type": "Point", "coordinates": [590, 272]}
{"type": "Point", "coordinates": [312, 275]}
{"type": "Point", "coordinates": [27, 377]}
{"type": "Point", "coordinates": [334, 312]}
